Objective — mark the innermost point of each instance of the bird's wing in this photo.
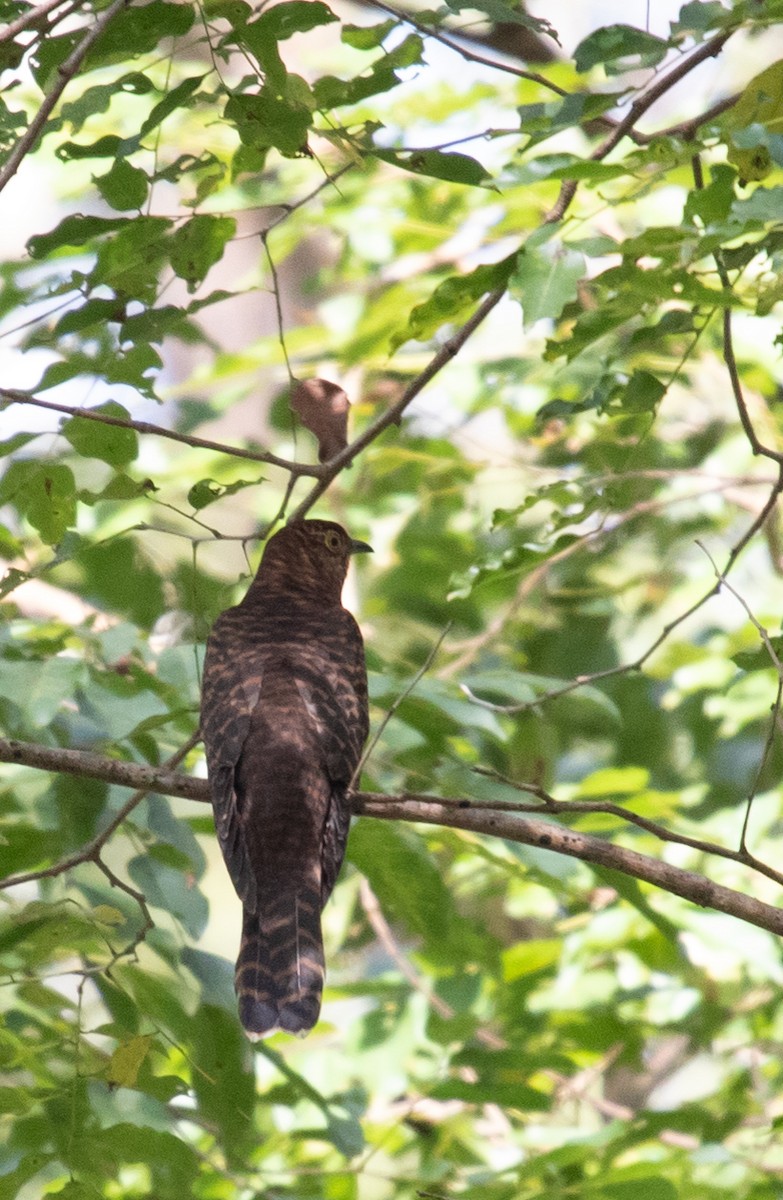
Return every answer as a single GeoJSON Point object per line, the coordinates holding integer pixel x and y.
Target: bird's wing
{"type": "Point", "coordinates": [230, 690]}
{"type": "Point", "coordinates": [318, 689]}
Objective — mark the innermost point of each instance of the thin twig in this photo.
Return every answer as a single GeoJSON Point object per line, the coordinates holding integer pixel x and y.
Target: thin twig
{"type": "Point", "coordinates": [662, 85]}
{"type": "Point", "coordinates": [278, 303]}
{"type": "Point", "coordinates": [467, 649]}
{"type": "Point", "coordinates": [549, 836]}
{"type": "Point", "coordinates": [469, 55]}
{"type": "Point", "coordinates": [11, 396]}
{"type": "Point", "coordinates": [410, 687]}
{"type": "Point", "coordinates": [65, 73]}
{"type": "Point", "coordinates": [769, 742]}
{"type": "Point", "coordinates": [625, 127]}
{"type": "Point", "coordinates": [775, 660]}
{"type": "Point", "coordinates": [147, 922]}
{"type": "Point", "coordinates": [383, 932]}
{"type": "Point", "coordinates": [624, 668]}
{"type": "Point", "coordinates": [687, 129]}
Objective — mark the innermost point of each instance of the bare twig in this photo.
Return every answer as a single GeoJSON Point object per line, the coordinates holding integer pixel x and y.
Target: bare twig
{"type": "Point", "coordinates": [11, 396]}
{"type": "Point", "coordinates": [659, 88]}
{"type": "Point", "coordinates": [623, 668]}
{"type": "Point", "coordinates": [625, 127]}
{"type": "Point", "coordinates": [469, 55]}
{"type": "Point", "coordinates": [278, 303]}
{"type": "Point", "coordinates": [387, 716]}
{"type": "Point", "coordinates": [778, 665]}
{"type": "Point", "coordinates": [687, 129]}
{"type": "Point", "coordinates": [383, 932]}
{"type": "Point", "coordinates": [570, 1088]}
{"type": "Point", "coordinates": [65, 73]}
{"type": "Point", "coordinates": [147, 922]}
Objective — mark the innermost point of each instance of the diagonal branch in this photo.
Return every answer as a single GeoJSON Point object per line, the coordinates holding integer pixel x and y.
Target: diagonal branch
{"type": "Point", "coordinates": [65, 74]}
{"type": "Point", "coordinates": [393, 414]}
{"type": "Point", "coordinates": [28, 20]}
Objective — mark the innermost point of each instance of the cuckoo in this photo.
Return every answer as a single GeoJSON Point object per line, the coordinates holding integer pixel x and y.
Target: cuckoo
{"type": "Point", "coordinates": [284, 720]}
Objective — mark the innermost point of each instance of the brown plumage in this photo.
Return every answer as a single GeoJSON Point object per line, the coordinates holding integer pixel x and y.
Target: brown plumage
{"type": "Point", "coordinates": [284, 719]}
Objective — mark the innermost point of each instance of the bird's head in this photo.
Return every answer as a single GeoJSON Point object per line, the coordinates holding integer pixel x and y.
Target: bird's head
{"type": "Point", "coordinates": [309, 557]}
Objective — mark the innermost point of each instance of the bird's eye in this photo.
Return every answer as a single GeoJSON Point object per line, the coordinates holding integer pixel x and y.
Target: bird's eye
{"type": "Point", "coordinates": [332, 540]}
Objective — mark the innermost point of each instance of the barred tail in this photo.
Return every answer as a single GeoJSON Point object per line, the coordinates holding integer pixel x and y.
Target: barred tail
{"type": "Point", "coordinates": [280, 969]}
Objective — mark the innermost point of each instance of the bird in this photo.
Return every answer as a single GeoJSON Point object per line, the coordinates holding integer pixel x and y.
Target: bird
{"type": "Point", "coordinates": [284, 718]}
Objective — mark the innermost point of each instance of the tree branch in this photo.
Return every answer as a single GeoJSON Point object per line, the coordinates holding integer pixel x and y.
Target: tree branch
{"type": "Point", "coordinates": [29, 19]}
{"type": "Point", "coordinates": [480, 818]}
{"type": "Point", "coordinates": [393, 414]}
{"type": "Point", "coordinates": [12, 396]}
{"type": "Point", "coordinates": [65, 74]}
{"type": "Point", "coordinates": [659, 88]}
{"type": "Point", "coordinates": [468, 55]}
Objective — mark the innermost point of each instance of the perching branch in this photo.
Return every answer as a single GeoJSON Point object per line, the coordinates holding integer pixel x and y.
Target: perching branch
{"type": "Point", "coordinates": [480, 818]}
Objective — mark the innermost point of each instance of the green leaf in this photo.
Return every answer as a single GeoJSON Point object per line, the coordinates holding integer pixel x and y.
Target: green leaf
{"type": "Point", "coordinates": [119, 487]}
{"type": "Point", "coordinates": [130, 261]}
{"type": "Point", "coordinates": [264, 121]}
{"type": "Point", "coordinates": [123, 186]}
{"type": "Point", "coordinates": [170, 889]}
{"type": "Point", "coordinates": [126, 1061]}
{"type": "Point", "coordinates": [619, 48]}
{"type": "Point", "coordinates": [749, 123]}
{"type": "Point", "coordinates": [530, 957]}
{"type": "Point", "coordinates": [94, 439]}
{"type": "Point", "coordinates": [75, 232]}
{"type": "Point", "coordinates": [109, 146]}
{"type": "Point", "coordinates": [451, 299]}
{"type": "Point", "coordinates": [699, 16]}
{"type": "Point", "coordinates": [45, 493]}
{"type": "Point", "coordinates": [12, 1183]}
{"type": "Point", "coordinates": [178, 97]}
{"type": "Point", "coordinates": [643, 392]}
{"type": "Point", "coordinates": [456, 168]}
{"type": "Point", "coordinates": [197, 245]}
{"type": "Point", "coordinates": [390, 858]}
{"type": "Point", "coordinates": [92, 312]}
{"type": "Point", "coordinates": [366, 37]}
{"type": "Point", "coordinates": [508, 14]}
{"type": "Point", "coordinates": [545, 280]}
{"type": "Point", "coordinates": [98, 98]}
{"type": "Point", "coordinates": [207, 491]}
{"type": "Point", "coordinates": [223, 1080]}
{"type": "Point", "coordinates": [140, 30]}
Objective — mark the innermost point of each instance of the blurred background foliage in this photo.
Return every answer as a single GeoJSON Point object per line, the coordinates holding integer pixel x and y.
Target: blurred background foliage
{"type": "Point", "coordinates": [200, 202]}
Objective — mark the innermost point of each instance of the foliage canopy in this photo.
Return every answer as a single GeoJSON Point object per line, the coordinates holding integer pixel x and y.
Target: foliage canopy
{"type": "Point", "coordinates": [552, 290]}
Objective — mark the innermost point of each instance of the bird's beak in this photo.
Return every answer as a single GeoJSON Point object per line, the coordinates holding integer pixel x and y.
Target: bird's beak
{"type": "Point", "coordinates": [360, 547]}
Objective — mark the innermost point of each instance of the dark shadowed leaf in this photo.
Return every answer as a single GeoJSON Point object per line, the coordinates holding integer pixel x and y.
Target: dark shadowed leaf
{"type": "Point", "coordinates": [322, 407]}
